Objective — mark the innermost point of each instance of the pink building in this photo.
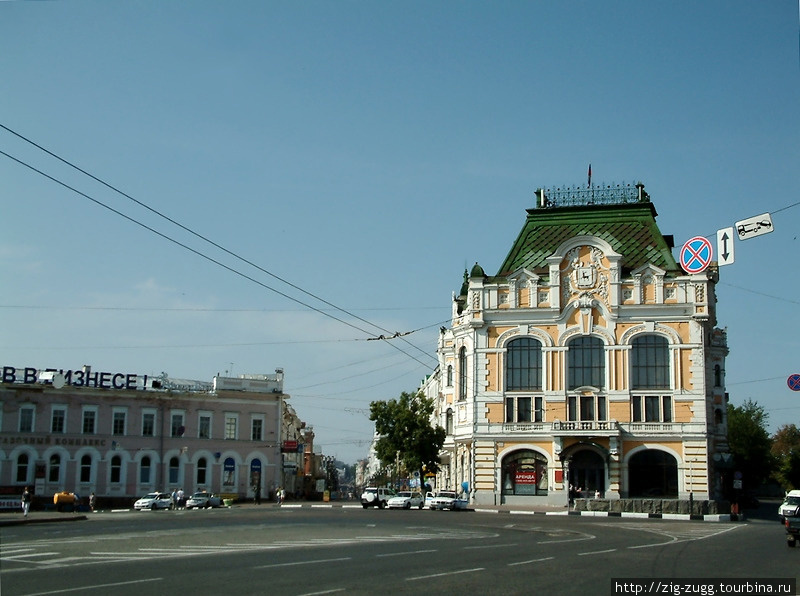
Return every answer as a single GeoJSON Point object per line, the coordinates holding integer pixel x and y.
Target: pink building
{"type": "Point", "coordinates": [122, 435]}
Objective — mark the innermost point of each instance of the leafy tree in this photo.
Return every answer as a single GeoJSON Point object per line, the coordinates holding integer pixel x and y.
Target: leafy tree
{"type": "Point", "coordinates": [404, 427]}
{"type": "Point", "coordinates": [749, 442]}
{"type": "Point", "coordinates": [786, 452]}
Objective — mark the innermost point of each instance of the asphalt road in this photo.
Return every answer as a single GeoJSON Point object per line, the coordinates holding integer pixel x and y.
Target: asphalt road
{"type": "Point", "coordinates": [276, 551]}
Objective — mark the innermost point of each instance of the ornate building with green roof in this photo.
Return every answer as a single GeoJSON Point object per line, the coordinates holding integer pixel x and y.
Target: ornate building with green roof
{"type": "Point", "coordinates": [591, 361]}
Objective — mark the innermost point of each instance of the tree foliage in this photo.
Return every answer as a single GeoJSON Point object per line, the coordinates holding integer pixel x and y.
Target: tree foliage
{"type": "Point", "coordinates": [749, 442]}
{"type": "Point", "coordinates": [786, 453]}
{"type": "Point", "coordinates": [405, 430]}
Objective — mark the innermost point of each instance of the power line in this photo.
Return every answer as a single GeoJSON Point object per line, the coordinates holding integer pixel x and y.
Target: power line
{"type": "Point", "coordinates": [202, 237]}
{"type": "Point", "coordinates": [213, 260]}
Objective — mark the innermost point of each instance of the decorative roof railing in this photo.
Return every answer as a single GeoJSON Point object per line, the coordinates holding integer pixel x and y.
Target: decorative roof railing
{"type": "Point", "coordinates": [604, 194]}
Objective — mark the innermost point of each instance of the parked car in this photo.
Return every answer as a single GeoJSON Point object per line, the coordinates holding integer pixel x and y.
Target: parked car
{"type": "Point", "coordinates": [429, 499]}
{"type": "Point", "coordinates": [406, 500]}
{"type": "Point", "coordinates": [448, 499]}
{"type": "Point", "coordinates": [154, 501]}
{"type": "Point", "coordinates": [204, 500]}
{"type": "Point", "coordinates": [790, 506]}
{"type": "Point", "coordinates": [376, 497]}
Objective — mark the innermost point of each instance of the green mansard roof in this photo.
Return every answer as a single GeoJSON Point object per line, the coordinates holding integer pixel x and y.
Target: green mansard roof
{"type": "Point", "coordinates": [630, 228]}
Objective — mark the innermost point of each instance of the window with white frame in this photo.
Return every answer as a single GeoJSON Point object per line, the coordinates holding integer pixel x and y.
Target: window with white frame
{"type": "Point", "coordinates": [462, 374]}
{"type": "Point", "coordinates": [58, 420]}
{"type": "Point", "coordinates": [144, 470]}
{"type": "Point", "coordinates": [176, 428]}
{"type": "Point", "coordinates": [586, 408]}
{"type": "Point", "coordinates": [22, 467]}
{"type": "Point", "coordinates": [148, 423]}
{"type": "Point", "coordinates": [204, 425]}
{"type": "Point", "coordinates": [116, 470]}
{"type": "Point", "coordinates": [86, 468]}
{"type": "Point", "coordinates": [89, 420]}
{"type": "Point", "coordinates": [525, 409]}
{"type": "Point", "coordinates": [118, 419]}
{"type": "Point", "coordinates": [586, 363]}
{"type": "Point", "coordinates": [651, 408]}
{"type": "Point", "coordinates": [26, 419]}
{"type": "Point", "coordinates": [257, 428]}
{"type": "Point", "coordinates": [231, 423]}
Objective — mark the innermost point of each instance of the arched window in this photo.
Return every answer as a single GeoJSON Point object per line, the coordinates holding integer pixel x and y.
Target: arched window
{"type": "Point", "coordinates": [22, 467]}
{"type": "Point", "coordinates": [116, 469]}
{"type": "Point", "coordinates": [462, 374]}
{"type": "Point", "coordinates": [524, 473]}
{"type": "Point", "coordinates": [202, 467]}
{"type": "Point", "coordinates": [523, 365]}
{"type": "Point", "coordinates": [86, 468]}
{"type": "Point", "coordinates": [717, 375]}
{"type": "Point", "coordinates": [650, 362]}
{"type": "Point", "coordinates": [144, 470]}
{"type": "Point", "coordinates": [174, 470]}
{"type": "Point", "coordinates": [586, 363]}
{"type": "Point", "coordinates": [449, 421]}
{"type": "Point", "coordinates": [449, 375]}
{"type": "Point", "coordinates": [54, 473]}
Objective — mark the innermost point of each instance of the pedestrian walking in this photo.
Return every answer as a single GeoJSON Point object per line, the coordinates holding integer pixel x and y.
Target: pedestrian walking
{"type": "Point", "coordinates": [92, 502]}
{"type": "Point", "coordinates": [26, 502]}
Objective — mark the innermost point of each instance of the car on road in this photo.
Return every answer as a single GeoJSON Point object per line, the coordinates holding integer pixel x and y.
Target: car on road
{"type": "Point", "coordinates": [790, 506]}
{"type": "Point", "coordinates": [203, 500]}
{"type": "Point", "coordinates": [376, 497]}
{"type": "Point", "coordinates": [406, 500]}
{"type": "Point", "coordinates": [153, 501]}
{"type": "Point", "coordinates": [448, 499]}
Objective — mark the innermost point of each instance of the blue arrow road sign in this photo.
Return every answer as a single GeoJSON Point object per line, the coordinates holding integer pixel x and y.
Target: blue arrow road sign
{"type": "Point", "coordinates": [696, 255]}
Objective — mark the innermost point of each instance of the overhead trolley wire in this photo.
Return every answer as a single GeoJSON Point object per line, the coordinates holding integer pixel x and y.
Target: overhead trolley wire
{"type": "Point", "coordinates": [209, 241]}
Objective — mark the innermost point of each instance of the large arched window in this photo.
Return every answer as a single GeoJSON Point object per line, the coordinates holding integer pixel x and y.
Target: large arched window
{"type": "Point", "coordinates": [54, 473]}
{"type": "Point", "coordinates": [524, 473]}
{"type": "Point", "coordinates": [462, 374]}
{"type": "Point", "coordinates": [22, 467]}
{"type": "Point", "coordinates": [86, 468]}
{"type": "Point", "coordinates": [586, 363]}
{"type": "Point", "coordinates": [650, 362]}
{"type": "Point", "coordinates": [174, 470]}
{"type": "Point", "coordinates": [116, 469]}
{"type": "Point", "coordinates": [202, 467]}
{"type": "Point", "coordinates": [144, 470]}
{"type": "Point", "coordinates": [523, 365]}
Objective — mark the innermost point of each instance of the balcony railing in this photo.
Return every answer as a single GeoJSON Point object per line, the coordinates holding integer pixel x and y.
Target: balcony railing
{"type": "Point", "coordinates": [607, 427]}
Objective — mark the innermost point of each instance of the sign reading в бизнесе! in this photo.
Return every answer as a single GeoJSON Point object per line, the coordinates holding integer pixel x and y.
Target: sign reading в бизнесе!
{"type": "Point", "coordinates": [76, 378]}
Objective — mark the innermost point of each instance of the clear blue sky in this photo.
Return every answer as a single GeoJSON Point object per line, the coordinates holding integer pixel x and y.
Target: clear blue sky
{"type": "Point", "coordinates": [367, 152]}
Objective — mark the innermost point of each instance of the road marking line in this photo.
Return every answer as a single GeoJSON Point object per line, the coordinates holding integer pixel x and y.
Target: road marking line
{"type": "Point", "coordinates": [325, 592]}
{"type": "Point", "coordinates": [96, 587]}
{"type": "Point", "coordinates": [412, 579]}
{"type": "Point", "coordinates": [294, 563]}
{"type": "Point", "coordinates": [597, 552]}
{"type": "Point", "coordinates": [488, 546]}
{"type": "Point", "coordinates": [411, 552]}
{"type": "Point", "coordinates": [531, 561]}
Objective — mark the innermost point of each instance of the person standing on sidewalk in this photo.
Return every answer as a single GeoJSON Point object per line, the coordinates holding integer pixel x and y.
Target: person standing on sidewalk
{"type": "Point", "coordinates": [26, 502]}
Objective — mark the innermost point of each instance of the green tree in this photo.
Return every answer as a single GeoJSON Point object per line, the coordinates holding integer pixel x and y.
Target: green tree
{"type": "Point", "coordinates": [786, 453]}
{"type": "Point", "coordinates": [750, 443]}
{"type": "Point", "coordinates": [406, 433]}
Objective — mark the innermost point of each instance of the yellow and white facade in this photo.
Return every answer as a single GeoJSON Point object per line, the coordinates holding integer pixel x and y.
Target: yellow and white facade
{"type": "Point", "coordinates": [591, 361]}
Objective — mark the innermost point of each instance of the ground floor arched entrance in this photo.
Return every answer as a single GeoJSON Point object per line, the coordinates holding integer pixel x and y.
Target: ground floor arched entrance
{"type": "Point", "coordinates": [653, 473]}
{"type": "Point", "coordinates": [587, 472]}
{"type": "Point", "coordinates": [524, 473]}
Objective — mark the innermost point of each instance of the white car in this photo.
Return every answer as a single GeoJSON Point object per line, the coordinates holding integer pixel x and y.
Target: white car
{"type": "Point", "coordinates": [153, 501]}
{"type": "Point", "coordinates": [376, 497]}
{"type": "Point", "coordinates": [790, 506]}
{"type": "Point", "coordinates": [448, 499]}
{"type": "Point", "coordinates": [406, 500]}
{"type": "Point", "coordinates": [203, 499]}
